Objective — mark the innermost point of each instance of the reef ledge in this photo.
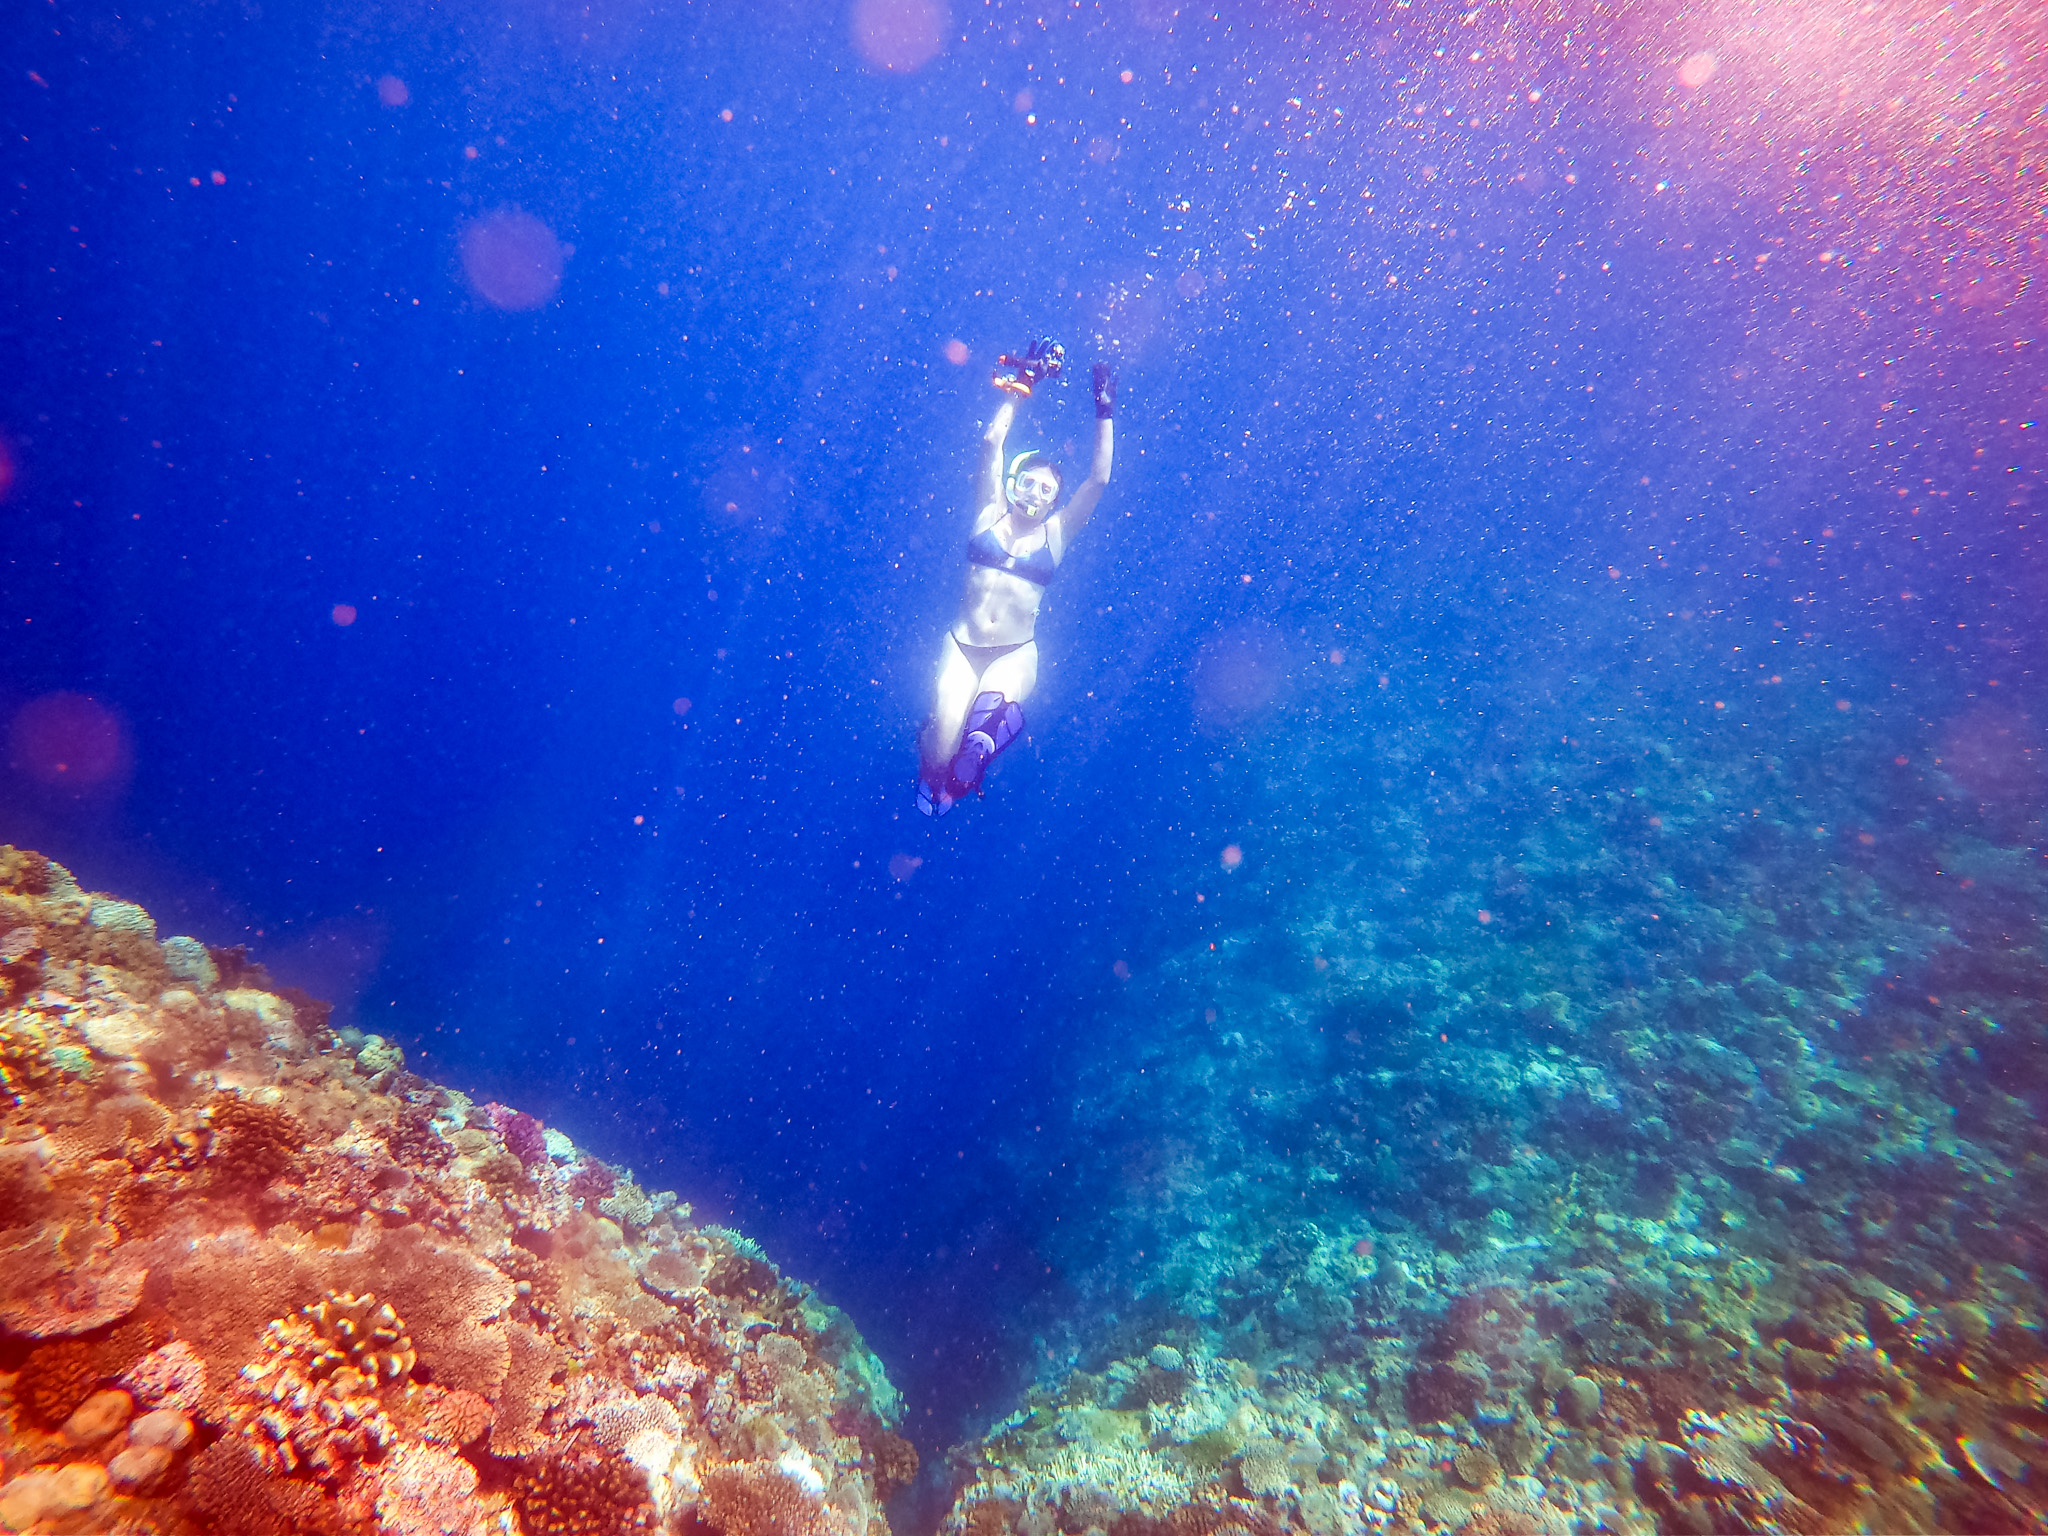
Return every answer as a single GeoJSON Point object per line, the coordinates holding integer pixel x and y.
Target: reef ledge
{"type": "Point", "coordinates": [258, 1278]}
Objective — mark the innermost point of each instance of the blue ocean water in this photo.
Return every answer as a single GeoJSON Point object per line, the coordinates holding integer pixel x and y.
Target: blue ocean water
{"type": "Point", "coordinates": [485, 485]}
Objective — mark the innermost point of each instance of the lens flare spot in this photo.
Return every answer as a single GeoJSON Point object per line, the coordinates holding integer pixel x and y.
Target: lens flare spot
{"type": "Point", "coordinates": [1121, 971]}
{"type": "Point", "coordinates": [681, 707]}
{"type": "Point", "coordinates": [1237, 675]}
{"type": "Point", "coordinates": [343, 614]}
{"type": "Point", "coordinates": [392, 91]}
{"type": "Point", "coordinates": [1232, 856]}
{"type": "Point", "coordinates": [956, 352]}
{"type": "Point", "coordinates": [1697, 70]}
{"type": "Point", "coordinates": [900, 36]}
{"type": "Point", "coordinates": [512, 260]}
{"type": "Point", "coordinates": [70, 741]}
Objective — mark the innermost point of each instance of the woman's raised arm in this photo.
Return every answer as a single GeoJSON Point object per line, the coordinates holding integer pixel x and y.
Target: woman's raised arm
{"type": "Point", "coordinates": [1076, 513]}
{"type": "Point", "coordinates": [992, 455]}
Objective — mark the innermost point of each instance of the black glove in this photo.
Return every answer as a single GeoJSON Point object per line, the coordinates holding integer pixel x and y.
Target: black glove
{"type": "Point", "coordinates": [1105, 392]}
{"type": "Point", "coordinates": [1042, 360]}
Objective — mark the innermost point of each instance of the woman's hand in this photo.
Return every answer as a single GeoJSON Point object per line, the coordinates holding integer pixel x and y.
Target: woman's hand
{"type": "Point", "coordinates": [1105, 392]}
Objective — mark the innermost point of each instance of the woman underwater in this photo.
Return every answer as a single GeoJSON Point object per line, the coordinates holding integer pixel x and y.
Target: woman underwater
{"type": "Point", "coordinates": [989, 663]}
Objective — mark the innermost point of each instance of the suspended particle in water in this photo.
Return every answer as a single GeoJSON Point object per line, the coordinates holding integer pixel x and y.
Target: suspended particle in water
{"type": "Point", "coordinates": [392, 91]}
{"type": "Point", "coordinates": [956, 352]}
{"type": "Point", "coordinates": [343, 614]}
{"type": "Point", "coordinates": [1121, 970]}
{"type": "Point", "coordinates": [1698, 69]}
{"type": "Point", "coordinates": [1232, 856]}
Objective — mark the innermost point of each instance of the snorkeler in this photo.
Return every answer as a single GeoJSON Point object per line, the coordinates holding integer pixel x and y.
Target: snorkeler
{"type": "Point", "coordinates": [989, 663]}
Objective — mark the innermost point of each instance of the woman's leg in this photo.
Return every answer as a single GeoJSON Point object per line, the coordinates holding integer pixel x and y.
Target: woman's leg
{"type": "Point", "coordinates": [995, 719]}
{"type": "Point", "coordinates": [1014, 675]}
{"type": "Point", "coordinates": [952, 695]}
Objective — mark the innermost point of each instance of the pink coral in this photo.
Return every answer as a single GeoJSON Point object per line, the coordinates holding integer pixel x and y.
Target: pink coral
{"type": "Point", "coordinates": [171, 1377]}
{"type": "Point", "coordinates": [524, 1135]}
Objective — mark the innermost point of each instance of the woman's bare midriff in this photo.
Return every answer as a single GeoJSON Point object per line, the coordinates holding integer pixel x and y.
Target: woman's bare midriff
{"type": "Point", "coordinates": [997, 608]}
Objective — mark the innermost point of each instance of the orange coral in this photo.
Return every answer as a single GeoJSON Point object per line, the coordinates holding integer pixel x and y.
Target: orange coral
{"type": "Point", "coordinates": [895, 1462]}
{"type": "Point", "coordinates": [56, 1378]}
{"type": "Point", "coordinates": [583, 1492]}
{"type": "Point", "coordinates": [229, 1486]}
{"type": "Point", "coordinates": [252, 1143]}
{"type": "Point", "coordinates": [358, 1331]}
{"type": "Point", "coordinates": [456, 1418]}
{"type": "Point", "coordinates": [293, 1419]}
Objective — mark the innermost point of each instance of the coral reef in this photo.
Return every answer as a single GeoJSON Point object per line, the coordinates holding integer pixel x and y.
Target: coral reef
{"type": "Point", "coordinates": [1625, 1134]}
{"type": "Point", "coordinates": [256, 1278]}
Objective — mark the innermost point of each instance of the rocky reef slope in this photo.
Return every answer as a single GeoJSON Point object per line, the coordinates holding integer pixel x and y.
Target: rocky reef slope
{"type": "Point", "coordinates": [258, 1278]}
{"type": "Point", "coordinates": [1565, 1118]}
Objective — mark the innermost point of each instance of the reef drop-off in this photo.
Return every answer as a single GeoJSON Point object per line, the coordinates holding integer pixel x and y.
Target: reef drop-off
{"type": "Point", "coordinates": [256, 1277]}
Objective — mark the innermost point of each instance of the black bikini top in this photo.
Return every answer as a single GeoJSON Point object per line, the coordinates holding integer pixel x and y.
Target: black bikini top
{"type": "Point", "coordinates": [986, 549]}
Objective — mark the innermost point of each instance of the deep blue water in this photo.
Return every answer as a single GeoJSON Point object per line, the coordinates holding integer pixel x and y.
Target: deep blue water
{"type": "Point", "coordinates": [1584, 384]}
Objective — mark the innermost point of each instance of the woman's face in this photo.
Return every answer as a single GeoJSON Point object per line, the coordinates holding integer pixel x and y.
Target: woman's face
{"type": "Point", "coordinates": [1037, 488]}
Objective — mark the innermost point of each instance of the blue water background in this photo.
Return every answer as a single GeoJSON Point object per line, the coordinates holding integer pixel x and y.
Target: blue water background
{"type": "Point", "coordinates": [1439, 457]}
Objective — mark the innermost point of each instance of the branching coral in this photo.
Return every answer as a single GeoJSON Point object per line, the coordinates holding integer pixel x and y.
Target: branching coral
{"type": "Point", "coordinates": [757, 1498]}
{"type": "Point", "coordinates": [252, 1143]}
{"type": "Point", "coordinates": [895, 1462]}
{"type": "Point", "coordinates": [582, 1492]}
{"type": "Point", "coordinates": [413, 1141]}
{"type": "Point", "coordinates": [237, 1495]}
